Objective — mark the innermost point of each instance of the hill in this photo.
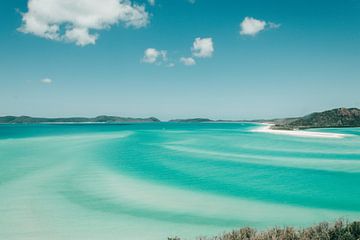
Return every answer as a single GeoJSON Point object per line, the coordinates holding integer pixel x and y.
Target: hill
{"type": "Point", "coordinates": [192, 120]}
{"type": "Point", "coordinates": [339, 117]}
{"type": "Point", "coordinates": [98, 119]}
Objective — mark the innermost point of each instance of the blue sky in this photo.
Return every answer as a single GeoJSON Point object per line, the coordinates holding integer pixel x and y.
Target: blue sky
{"type": "Point", "coordinates": [289, 58]}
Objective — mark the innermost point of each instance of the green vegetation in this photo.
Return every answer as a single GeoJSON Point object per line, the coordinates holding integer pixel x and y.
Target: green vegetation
{"type": "Point", "coordinates": [192, 120]}
{"type": "Point", "coordinates": [340, 230]}
{"type": "Point", "coordinates": [98, 119]}
{"type": "Point", "coordinates": [339, 117]}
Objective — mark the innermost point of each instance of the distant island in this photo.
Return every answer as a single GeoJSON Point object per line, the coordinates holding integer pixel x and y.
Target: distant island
{"type": "Point", "coordinates": [98, 119]}
{"type": "Point", "coordinates": [205, 120]}
{"type": "Point", "coordinates": [335, 118]}
{"type": "Point", "coordinates": [192, 120]}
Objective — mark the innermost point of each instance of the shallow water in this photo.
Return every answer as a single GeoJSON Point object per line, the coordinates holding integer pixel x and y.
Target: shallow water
{"type": "Point", "coordinates": [151, 181]}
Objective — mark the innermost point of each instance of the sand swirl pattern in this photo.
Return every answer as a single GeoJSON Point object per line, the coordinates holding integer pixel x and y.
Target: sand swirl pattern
{"type": "Point", "coordinates": [150, 181]}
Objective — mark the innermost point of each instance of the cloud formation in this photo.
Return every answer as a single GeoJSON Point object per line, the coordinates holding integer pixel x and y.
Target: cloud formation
{"type": "Point", "coordinates": [77, 21]}
{"type": "Point", "coordinates": [203, 47]}
{"type": "Point", "coordinates": [152, 55]}
{"type": "Point", "coordinates": [151, 2]}
{"type": "Point", "coordinates": [251, 26]}
{"type": "Point", "coordinates": [46, 80]}
{"type": "Point", "coordinates": [188, 61]}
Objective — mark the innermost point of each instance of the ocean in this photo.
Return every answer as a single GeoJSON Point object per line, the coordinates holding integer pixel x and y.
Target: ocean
{"type": "Point", "coordinates": [156, 180]}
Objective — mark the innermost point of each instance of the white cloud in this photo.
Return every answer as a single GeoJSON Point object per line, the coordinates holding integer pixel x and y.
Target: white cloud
{"type": "Point", "coordinates": [81, 36]}
{"type": "Point", "coordinates": [46, 80]}
{"type": "Point", "coordinates": [151, 55]}
{"type": "Point", "coordinates": [151, 2]}
{"type": "Point", "coordinates": [251, 26]}
{"type": "Point", "coordinates": [75, 21]}
{"type": "Point", "coordinates": [273, 25]}
{"type": "Point", "coordinates": [188, 61]}
{"type": "Point", "coordinates": [202, 47]}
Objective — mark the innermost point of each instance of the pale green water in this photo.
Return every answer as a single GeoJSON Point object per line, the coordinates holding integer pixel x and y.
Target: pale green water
{"type": "Point", "coordinates": [151, 181]}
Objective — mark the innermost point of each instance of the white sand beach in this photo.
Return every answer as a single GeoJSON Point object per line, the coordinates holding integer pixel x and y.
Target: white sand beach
{"type": "Point", "coordinates": [266, 128]}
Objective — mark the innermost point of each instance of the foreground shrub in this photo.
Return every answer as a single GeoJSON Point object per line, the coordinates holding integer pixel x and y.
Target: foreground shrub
{"type": "Point", "coordinates": [340, 230]}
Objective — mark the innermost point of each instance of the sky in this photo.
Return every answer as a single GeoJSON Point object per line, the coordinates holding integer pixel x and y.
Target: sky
{"type": "Point", "coordinates": [178, 59]}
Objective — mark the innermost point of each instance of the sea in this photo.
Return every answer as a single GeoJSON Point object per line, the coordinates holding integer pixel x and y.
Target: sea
{"type": "Point", "coordinates": [159, 180]}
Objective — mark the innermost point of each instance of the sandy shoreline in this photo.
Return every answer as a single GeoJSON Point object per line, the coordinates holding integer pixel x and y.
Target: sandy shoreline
{"type": "Point", "coordinates": [266, 128]}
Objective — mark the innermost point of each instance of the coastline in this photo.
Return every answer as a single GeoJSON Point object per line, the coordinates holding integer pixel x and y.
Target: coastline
{"type": "Point", "coordinates": [267, 128]}
{"type": "Point", "coordinates": [75, 123]}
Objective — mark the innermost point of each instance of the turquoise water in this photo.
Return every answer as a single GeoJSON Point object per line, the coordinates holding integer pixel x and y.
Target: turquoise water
{"type": "Point", "coordinates": [151, 181]}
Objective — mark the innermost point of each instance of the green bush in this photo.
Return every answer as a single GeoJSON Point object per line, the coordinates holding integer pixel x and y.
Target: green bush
{"type": "Point", "coordinates": [340, 230]}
